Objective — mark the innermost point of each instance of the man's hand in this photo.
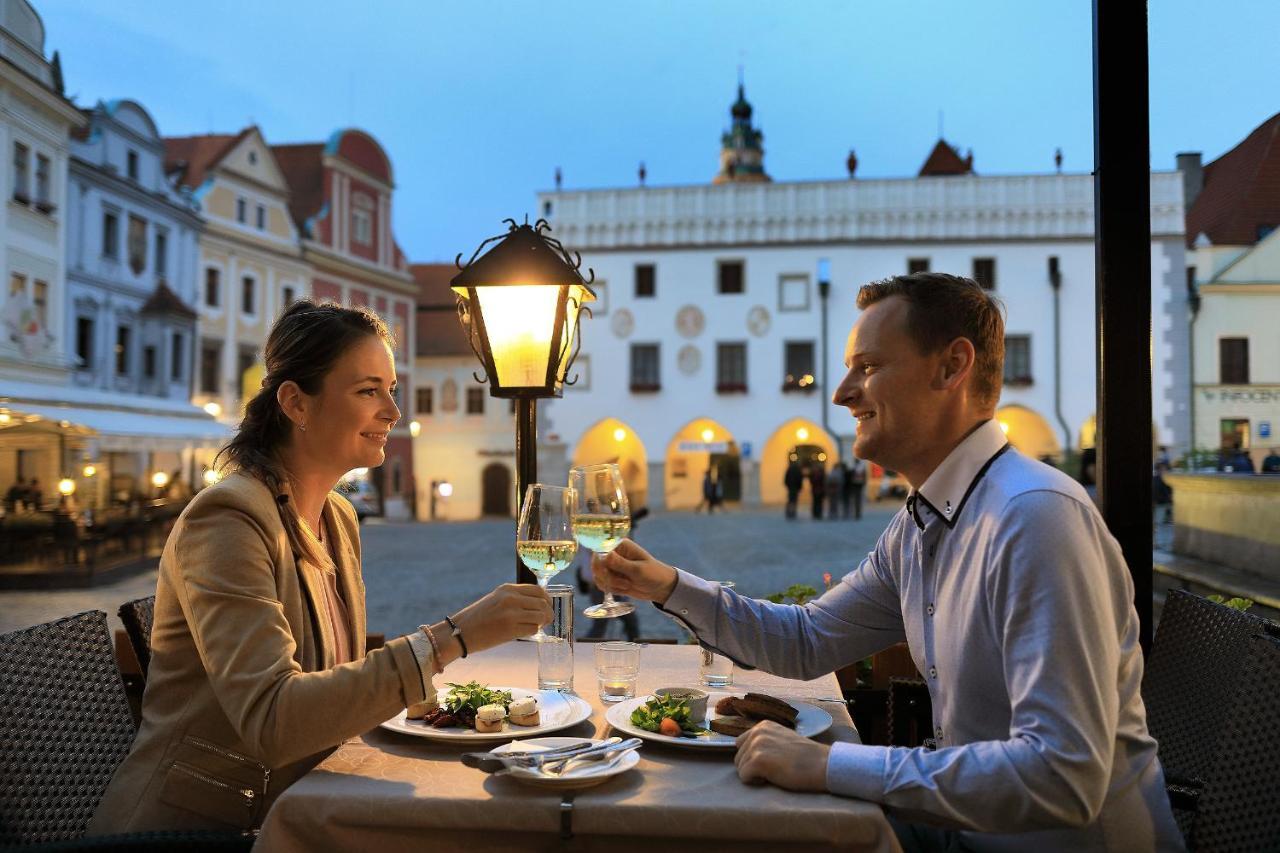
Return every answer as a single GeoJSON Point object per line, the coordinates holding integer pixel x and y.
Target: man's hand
{"type": "Point", "coordinates": [629, 570]}
{"type": "Point", "coordinates": [769, 752]}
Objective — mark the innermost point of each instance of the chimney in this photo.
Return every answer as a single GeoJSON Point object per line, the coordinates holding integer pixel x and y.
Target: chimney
{"type": "Point", "coordinates": [1192, 170]}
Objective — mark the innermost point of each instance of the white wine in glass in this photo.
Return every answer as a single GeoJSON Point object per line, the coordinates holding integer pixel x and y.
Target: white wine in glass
{"type": "Point", "coordinates": [601, 519]}
{"type": "Point", "coordinates": [544, 537]}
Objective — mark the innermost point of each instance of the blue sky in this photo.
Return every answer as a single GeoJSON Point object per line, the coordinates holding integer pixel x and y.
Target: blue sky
{"type": "Point", "coordinates": [478, 102]}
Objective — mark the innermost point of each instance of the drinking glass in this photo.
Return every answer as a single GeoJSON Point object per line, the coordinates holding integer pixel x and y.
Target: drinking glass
{"type": "Point", "coordinates": [555, 652]}
{"type": "Point", "coordinates": [716, 669]}
{"type": "Point", "coordinates": [601, 519]}
{"type": "Point", "coordinates": [617, 667]}
{"type": "Point", "coordinates": [544, 537]}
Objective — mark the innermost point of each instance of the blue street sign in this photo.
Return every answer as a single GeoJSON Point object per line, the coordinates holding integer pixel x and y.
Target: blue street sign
{"type": "Point", "coordinates": [1264, 429]}
{"type": "Point", "coordinates": [746, 450]}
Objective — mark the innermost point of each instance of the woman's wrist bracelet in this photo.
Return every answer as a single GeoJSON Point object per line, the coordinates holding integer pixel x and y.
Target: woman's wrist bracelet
{"type": "Point", "coordinates": [435, 649]}
{"type": "Point", "coordinates": [457, 632]}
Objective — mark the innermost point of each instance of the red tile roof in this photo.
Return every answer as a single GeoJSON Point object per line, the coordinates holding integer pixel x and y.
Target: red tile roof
{"type": "Point", "coordinates": [945, 160]}
{"type": "Point", "coordinates": [303, 168]}
{"type": "Point", "coordinates": [1241, 191]}
{"type": "Point", "coordinates": [165, 301]}
{"type": "Point", "coordinates": [438, 329]}
{"type": "Point", "coordinates": [193, 156]}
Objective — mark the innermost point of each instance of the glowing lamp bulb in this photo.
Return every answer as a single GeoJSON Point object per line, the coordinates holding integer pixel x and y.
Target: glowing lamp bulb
{"type": "Point", "coordinates": [802, 434]}
{"type": "Point", "coordinates": [619, 434]}
{"type": "Point", "coordinates": [159, 479]}
{"type": "Point", "coordinates": [445, 489]}
{"type": "Point", "coordinates": [415, 429]}
{"type": "Point", "coordinates": [708, 435]}
{"type": "Point", "coordinates": [66, 487]}
{"type": "Point", "coordinates": [90, 470]}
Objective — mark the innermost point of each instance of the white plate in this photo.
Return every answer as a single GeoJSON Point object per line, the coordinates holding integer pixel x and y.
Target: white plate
{"type": "Point", "coordinates": [812, 721]}
{"type": "Point", "coordinates": [581, 774]}
{"type": "Point", "coordinates": [556, 711]}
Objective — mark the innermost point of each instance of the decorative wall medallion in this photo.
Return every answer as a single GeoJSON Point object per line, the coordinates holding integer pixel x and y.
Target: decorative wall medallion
{"type": "Point", "coordinates": [758, 321]}
{"type": "Point", "coordinates": [689, 359]}
{"type": "Point", "coordinates": [690, 322]}
{"type": "Point", "coordinates": [622, 323]}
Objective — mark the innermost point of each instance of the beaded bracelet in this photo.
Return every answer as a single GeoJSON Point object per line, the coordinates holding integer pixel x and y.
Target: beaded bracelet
{"type": "Point", "coordinates": [457, 632]}
{"type": "Point", "coordinates": [435, 649]}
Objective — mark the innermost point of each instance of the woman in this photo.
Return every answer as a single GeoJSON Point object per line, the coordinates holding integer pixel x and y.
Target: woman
{"type": "Point", "coordinates": [258, 665]}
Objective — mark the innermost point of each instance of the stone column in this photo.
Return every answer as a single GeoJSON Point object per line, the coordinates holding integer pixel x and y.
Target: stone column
{"type": "Point", "coordinates": [750, 473]}
{"type": "Point", "coordinates": [657, 486]}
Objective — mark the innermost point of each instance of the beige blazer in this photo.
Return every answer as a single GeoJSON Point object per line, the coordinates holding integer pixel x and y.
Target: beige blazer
{"type": "Point", "coordinates": [242, 694]}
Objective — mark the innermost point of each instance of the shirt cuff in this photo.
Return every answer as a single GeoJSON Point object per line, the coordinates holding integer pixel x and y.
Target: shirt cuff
{"type": "Point", "coordinates": [857, 770]}
{"type": "Point", "coordinates": [426, 662]}
{"type": "Point", "coordinates": [693, 603]}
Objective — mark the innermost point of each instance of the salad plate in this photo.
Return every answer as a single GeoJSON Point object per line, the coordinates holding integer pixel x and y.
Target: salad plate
{"type": "Point", "coordinates": [556, 711]}
{"type": "Point", "coordinates": [810, 722]}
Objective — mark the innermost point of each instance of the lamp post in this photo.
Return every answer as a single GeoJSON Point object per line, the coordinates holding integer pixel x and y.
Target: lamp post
{"type": "Point", "coordinates": [519, 304]}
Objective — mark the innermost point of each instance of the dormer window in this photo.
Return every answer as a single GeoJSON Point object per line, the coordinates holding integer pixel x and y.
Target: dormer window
{"type": "Point", "coordinates": [131, 165]}
{"type": "Point", "coordinates": [253, 158]}
{"type": "Point", "coordinates": [362, 219]}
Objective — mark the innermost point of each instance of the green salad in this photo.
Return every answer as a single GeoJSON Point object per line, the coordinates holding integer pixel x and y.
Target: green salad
{"type": "Point", "coordinates": [472, 696]}
{"type": "Point", "coordinates": [658, 710]}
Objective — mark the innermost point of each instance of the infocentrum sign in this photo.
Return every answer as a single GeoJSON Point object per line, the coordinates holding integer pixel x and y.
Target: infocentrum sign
{"type": "Point", "coordinates": [1255, 394]}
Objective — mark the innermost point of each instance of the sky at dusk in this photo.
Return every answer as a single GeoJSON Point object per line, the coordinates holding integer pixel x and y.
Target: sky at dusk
{"type": "Point", "coordinates": [477, 103]}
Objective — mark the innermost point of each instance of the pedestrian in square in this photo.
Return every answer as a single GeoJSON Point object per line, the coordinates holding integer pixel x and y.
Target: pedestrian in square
{"type": "Point", "coordinates": [855, 487]}
{"type": "Point", "coordinates": [817, 486]}
{"type": "Point", "coordinates": [793, 480]}
{"type": "Point", "coordinates": [834, 487]}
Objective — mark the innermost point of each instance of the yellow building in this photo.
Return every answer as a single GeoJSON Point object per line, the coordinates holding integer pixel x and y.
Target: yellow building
{"type": "Point", "coordinates": [251, 262]}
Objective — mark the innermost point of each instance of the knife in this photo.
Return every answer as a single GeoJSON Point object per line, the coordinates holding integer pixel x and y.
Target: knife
{"type": "Point", "coordinates": [493, 762]}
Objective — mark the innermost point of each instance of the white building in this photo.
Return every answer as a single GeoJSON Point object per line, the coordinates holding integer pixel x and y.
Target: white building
{"type": "Point", "coordinates": [708, 344]}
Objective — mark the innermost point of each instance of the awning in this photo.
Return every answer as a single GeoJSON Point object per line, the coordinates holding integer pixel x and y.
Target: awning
{"type": "Point", "coordinates": [124, 430]}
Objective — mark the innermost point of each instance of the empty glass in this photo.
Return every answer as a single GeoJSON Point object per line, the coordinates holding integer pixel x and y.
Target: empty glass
{"type": "Point", "coordinates": [716, 670]}
{"type": "Point", "coordinates": [555, 651]}
{"type": "Point", "coordinates": [617, 667]}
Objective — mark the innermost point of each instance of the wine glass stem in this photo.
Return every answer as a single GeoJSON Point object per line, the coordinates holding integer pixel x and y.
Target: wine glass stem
{"type": "Point", "coordinates": [542, 584]}
{"type": "Point", "coordinates": [604, 582]}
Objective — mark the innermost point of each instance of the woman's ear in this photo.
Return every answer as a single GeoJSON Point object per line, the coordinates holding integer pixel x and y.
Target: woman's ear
{"type": "Point", "coordinates": [293, 403]}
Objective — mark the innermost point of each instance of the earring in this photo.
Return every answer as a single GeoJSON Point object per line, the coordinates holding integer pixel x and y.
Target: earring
{"type": "Point", "coordinates": [302, 427]}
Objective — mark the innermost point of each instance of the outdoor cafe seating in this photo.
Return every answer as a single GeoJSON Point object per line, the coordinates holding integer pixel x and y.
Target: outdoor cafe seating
{"type": "Point", "coordinates": [1210, 687]}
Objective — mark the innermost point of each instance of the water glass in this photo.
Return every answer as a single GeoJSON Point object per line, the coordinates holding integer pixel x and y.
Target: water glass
{"type": "Point", "coordinates": [555, 652]}
{"type": "Point", "coordinates": [717, 670]}
{"type": "Point", "coordinates": [617, 667]}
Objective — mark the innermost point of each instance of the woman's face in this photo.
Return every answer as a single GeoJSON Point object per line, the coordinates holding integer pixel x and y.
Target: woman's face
{"type": "Point", "coordinates": [348, 422]}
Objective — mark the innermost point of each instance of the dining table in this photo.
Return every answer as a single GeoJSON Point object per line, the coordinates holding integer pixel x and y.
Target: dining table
{"type": "Point", "coordinates": [387, 791]}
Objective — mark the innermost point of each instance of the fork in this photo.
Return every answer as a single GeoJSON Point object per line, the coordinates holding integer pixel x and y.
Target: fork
{"type": "Point", "coordinates": [557, 767]}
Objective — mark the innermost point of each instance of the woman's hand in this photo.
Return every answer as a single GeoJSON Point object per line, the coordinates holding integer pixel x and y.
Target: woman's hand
{"type": "Point", "coordinates": [512, 610]}
{"type": "Point", "coordinates": [630, 570]}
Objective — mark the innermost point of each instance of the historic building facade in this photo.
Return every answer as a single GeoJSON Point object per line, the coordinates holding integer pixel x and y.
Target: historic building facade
{"type": "Point", "coordinates": [723, 311]}
{"type": "Point", "coordinates": [341, 195]}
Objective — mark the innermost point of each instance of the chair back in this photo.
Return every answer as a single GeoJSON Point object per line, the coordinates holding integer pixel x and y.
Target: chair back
{"type": "Point", "coordinates": [138, 616]}
{"type": "Point", "coordinates": [1240, 807]}
{"type": "Point", "coordinates": [64, 727]}
{"type": "Point", "coordinates": [910, 712]}
{"type": "Point", "coordinates": [1190, 677]}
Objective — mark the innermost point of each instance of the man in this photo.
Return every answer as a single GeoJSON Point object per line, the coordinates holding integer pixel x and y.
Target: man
{"type": "Point", "coordinates": [793, 480]}
{"type": "Point", "coordinates": [1003, 579]}
{"type": "Point", "coordinates": [854, 487]}
{"type": "Point", "coordinates": [1271, 465]}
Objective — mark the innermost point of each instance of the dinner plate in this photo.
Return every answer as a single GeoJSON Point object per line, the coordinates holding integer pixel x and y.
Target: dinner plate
{"type": "Point", "coordinates": [581, 774]}
{"type": "Point", "coordinates": [811, 721]}
{"type": "Point", "coordinates": [556, 711]}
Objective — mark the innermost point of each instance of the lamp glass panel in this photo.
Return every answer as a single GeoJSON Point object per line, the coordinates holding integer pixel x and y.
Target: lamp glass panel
{"type": "Point", "coordinates": [576, 294]}
{"type": "Point", "coordinates": [519, 320]}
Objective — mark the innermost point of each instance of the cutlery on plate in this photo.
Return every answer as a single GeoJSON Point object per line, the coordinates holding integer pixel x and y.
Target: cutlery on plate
{"type": "Point", "coordinates": [607, 754]}
{"type": "Point", "coordinates": [494, 762]}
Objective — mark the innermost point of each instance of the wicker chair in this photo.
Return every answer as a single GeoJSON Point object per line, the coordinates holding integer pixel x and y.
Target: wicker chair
{"type": "Point", "coordinates": [65, 726]}
{"type": "Point", "coordinates": [1239, 809]}
{"type": "Point", "coordinates": [138, 616]}
{"type": "Point", "coordinates": [910, 712]}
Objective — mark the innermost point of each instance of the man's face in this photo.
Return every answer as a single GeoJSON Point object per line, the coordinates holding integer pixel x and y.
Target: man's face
{"type": "Point", "coordinates": [888, 386]}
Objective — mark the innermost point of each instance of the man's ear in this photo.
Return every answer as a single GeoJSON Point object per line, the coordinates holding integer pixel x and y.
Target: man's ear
{"type": "Point", "coordinates": [292, 402]}
{"type": "Point", "coordinates": [955, 364]}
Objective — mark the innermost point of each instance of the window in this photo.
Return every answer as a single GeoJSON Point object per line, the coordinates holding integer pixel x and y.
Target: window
{"type": "Point", "coordinates": [287, 297]}
{"type": "Point", "coordinates": [212, 280]}
{"type": "Point", "coordinates": [425, 400]}
{"type": "Point", "coordinates": [210, 366]}
{"type": "Point", "coordinates": [247, 288]}
{"type": "Point", "coordinates": [162, 251]}
{"type": "Point", "coordinates": [475, 401]}
{"type": "Point", "coordinates": [137, 244]}
{"type": "Point", "coordinates": [40, 301]}
{"type": "Point", "coordinates": [177, 353]}
{"type": "Point", "coordinates": [43, 196]}
{"type": "Point", "coordinates": [645, 375]}
{"type": "Point", "coordinates": [247, 357]}
{"type": "Point", "coordinates": [122, 350]}
{"type": "Point", "coordinates": [362, 227]}
{"type": "Point", "coordinates": [253, 158]}
{"type": "Point", "coordinates": [793, 292]}
{"type": "Point", "coordinates": [1233, 361]}
{"type": "Point", "coordinates": [110, 235]}
{"type": "Point", "coordinates": [1017, 360]}
{"type": "Point", "coordinates": [149, 362]}
{"type": "Point", "coordinates": [242, 208]}
{"type": "Point", "coordinates": [260, 216]}
{"type": "Point", "coordinates": [915, 265]}
{"type": "Point", "coordinates": [798, 366]}
{"type": "Point", "coordinates": [21, 156]}
{"type": "Point", "coordinates": [645, 283]}
{"type": "Point", "coordinates": [731, 367]}
{"type": "Point", "coordinates": [17, 285]}
{"type": "Point", "coordinates": [730, 278]}
{"type": "Point", "coordinates": [84, 342]}
{"type": "Point", "coordinates": [984, 272]}
{"type": "Point", "coordinates": [131, 165]}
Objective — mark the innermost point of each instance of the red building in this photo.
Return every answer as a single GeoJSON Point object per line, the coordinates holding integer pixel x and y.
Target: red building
{"type": "Point", "coordinates": [341, 193]}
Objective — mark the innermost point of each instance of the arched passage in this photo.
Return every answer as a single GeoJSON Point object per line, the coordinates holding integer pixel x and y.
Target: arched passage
{"type": "Point", "coordinates": [699, 445]}
{"type": "Point", "coordinates": [1029, 432]}
{"type": "Point", "coordinates": [795, 433]}
{"type": "Point", "coordinates": [495, 490]}
{"type": "Point", "coordinates": [611, 440]}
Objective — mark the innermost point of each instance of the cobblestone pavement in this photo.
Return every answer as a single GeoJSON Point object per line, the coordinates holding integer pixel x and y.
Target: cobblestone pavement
{"type": "Point", "coordinates": [418, 572]}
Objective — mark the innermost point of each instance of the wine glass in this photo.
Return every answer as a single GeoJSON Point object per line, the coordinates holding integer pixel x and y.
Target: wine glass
{"type": "Point", "coordinates": [601, 519]}
{"type": "Point", "coordinates": [544, 538]}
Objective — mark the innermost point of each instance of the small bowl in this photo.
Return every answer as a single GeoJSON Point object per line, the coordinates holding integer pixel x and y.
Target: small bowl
{"type": "Point", "coordinates": [697, 699]}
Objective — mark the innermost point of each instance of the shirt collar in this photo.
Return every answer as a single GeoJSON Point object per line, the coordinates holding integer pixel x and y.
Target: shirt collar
{"type": "Point", "coordinates": [951, 483]}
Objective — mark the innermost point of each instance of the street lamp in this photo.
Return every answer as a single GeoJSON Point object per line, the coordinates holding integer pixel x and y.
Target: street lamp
{"type": "Point", "coordinates": [519, 305]}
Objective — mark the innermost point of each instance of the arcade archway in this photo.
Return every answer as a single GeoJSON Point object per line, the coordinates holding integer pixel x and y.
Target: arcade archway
{"type": "Point", "coordinates": [611, 440]}
{"type": "Point", "coordinates": [1029, 432]}
{"type": "Point", "coordinates": [701, 445]}
{"type": "Point", "coordinates": [797, 437]}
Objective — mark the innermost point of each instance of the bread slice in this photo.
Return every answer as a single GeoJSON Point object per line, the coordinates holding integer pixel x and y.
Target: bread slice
{"type": "Point", "coordinates": [732, 726]}
{"type": "Point", "coordinates": [418, 710]}
{"type": "Point", "coordinates": [728, 707]}
{"type": "Point", "coordinates": [760, 706]}
{"type": "Point", "coordinates": [485, 726]}
{"type": "Point", "coordinates": [524, 719]}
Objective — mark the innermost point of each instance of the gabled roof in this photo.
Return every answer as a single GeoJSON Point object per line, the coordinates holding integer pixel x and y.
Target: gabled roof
{"type": "Point", "coordinates": [1241, 191]}
{"type": "Point", "coordinates": [437, 326]}
{"type": "Point", "coordinates": [165, 301]}
{"type": "Point", "coordinates": [945, 160]}
{"type": "Point", "coordinates": [303, 168]}
{"type": "Point", "coordinates": [191, 157]}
